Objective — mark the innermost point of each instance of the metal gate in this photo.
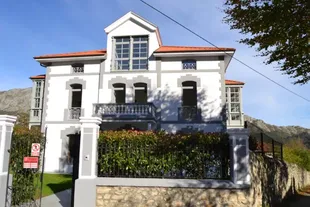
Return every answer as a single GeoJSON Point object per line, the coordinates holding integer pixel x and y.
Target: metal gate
{"type": "Point", "coordinates": [25, 183]}
{"type": "Point", "coordinates": [75, 153]}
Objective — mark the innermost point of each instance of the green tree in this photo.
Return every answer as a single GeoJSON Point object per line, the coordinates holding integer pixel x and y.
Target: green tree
{"type": "Point", "coordinates": [280, 29]}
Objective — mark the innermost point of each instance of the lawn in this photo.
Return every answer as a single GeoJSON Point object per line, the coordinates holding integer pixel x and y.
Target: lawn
{"type": "Point", "coordinates": [53, 183]}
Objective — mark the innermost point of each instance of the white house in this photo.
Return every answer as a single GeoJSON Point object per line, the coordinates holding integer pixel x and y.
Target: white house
{"type": "Point", "coordinates": [135, 82]}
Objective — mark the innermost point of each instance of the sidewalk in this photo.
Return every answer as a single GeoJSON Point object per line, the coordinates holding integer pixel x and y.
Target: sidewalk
{"type": "Point", "coordinates": [61, 199]}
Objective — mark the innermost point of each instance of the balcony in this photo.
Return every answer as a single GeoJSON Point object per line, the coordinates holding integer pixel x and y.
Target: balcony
{"type": "Point", "coordinates": [74, 113]}
{"type": "Point", "coordinates": [189, 113]}
{"type": "Point", "coordinates": [126, 111]}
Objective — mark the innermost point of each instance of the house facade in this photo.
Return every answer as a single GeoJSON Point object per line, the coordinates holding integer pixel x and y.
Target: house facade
{"type": "Point", "coordinates": [136, 82]}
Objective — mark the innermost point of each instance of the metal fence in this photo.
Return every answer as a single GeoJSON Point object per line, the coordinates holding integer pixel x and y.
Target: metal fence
{"type": "Point", "coordinates": [261, 142]}
{"type": "Point", "coordinates": [145, 160]}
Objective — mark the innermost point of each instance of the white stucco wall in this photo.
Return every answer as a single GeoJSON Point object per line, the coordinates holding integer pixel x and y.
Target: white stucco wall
{"type": "Point", "coordinates": [53, 151]}
{"type": "Point", "coordinates": [203, 63]}
{"type": "Point", "coordinates": [208, 95]}
{"type": "Point", "coordinates": [58, 95]}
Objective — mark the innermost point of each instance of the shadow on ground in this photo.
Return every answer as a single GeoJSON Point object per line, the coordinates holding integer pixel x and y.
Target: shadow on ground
{"type": "Point", "coordinates": [61, 191]}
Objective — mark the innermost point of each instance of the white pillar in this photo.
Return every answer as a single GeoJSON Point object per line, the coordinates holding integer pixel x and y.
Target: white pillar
{"type": "Point", "coordinates": [6, 129]}
{"type": "Point", "coordinates": [88, 146]}
{"type": "Point", "coordinates": [239, 157]}
{"type": "Point", "coordinates": [85, 188]}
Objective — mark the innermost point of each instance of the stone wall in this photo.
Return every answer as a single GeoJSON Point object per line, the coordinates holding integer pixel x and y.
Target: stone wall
{"type": "Point", "coordinates": [271, 181]}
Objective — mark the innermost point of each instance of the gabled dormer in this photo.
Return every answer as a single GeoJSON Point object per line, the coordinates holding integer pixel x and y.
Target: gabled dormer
{"type": "Point", "coordinates": [131, 41]}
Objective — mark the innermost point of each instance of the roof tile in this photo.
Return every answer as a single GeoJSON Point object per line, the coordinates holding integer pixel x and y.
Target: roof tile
{"type": "Point", "coordinates": [233, 82]}
{"type": "Point", "coordinates": [166, 49]}
{"type": "Point", "coordinates": [74, 54]}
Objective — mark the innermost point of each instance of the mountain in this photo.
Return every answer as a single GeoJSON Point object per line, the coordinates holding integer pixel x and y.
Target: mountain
{"type": "Point", "coordinates": [15, 100]}
{"type": "Point", "coordinates": [18, 100]}
{"type": "Point", "coordinates": [279, 133]}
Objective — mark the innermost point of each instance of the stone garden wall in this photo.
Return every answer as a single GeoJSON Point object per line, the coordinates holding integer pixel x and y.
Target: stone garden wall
{"type": "Point", "coordinates": [271, 181]}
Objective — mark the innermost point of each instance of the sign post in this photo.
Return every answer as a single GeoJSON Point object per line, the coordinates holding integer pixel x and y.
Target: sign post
{"type": "Point", "coordinates": [35, 150]}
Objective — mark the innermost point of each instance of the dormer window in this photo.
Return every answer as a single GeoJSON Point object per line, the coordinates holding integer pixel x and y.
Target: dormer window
{"type": "Point", "coordinates": [78, 68]}
{"type": "Point", "coordinates": [189, 64]}
{"type": "Point", "coordinates": [130, 53]}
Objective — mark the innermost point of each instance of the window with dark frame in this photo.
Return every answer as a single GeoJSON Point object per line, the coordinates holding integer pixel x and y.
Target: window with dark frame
{"type": "Point", "coordinates": [189, 64]}
{"type": "Point", "coordinates": [78, 68]}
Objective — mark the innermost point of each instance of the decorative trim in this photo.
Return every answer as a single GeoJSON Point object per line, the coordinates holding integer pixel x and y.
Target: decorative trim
{"type": "Point", "coordinates": [189, 77]}
{"type": "Point", "coordinates": [102, 71]}
{"type": "Point", "coordinates": [73, 74]}
{"type": "Point", "coordinates": [223, 92]}
{"type": "Point", "coordinates": [119, 79]}
{"type": "Point", "coordinates": [158, 72]}
{"type": "Point", "coordinates": [75, 80]}
{"type": "Point", "coordinates": [68, 87]}
{"type": "Point", "coordinates": [47, 85]}
{"type": "Point", "coordinates": [162, 71]}
{"type": "Point", "coordinates": [142, 79]}
{"type": "Point", "coordinates": [65, 140]}
{"type": "Point", "coordinates": [168, 183]}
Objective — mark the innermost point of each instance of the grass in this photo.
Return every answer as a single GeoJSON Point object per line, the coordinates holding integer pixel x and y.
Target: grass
{"type": "Point", "coordinates": [54, 183]}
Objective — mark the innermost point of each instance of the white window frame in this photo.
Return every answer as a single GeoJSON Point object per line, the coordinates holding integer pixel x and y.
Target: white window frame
{"type": "Point", "coordinates": [229, 103]}
{"type": "Point", "coordinates": [130, 57]}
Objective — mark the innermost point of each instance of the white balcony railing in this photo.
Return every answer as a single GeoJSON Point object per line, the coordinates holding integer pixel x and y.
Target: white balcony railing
{"type": "Point", "coordinates": [74, 113]}
{"type": "Point", "coordinates": [127, 110]}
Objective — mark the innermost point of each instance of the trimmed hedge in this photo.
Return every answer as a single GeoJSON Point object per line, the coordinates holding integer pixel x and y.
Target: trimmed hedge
{"type": "Point", "coordinates": [24, 187]}
{"type": "Point", "coordinates": [150, 154]}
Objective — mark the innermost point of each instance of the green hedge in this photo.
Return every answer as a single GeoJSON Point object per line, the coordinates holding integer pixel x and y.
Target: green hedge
{"type": "Point", "coordinates": [149, 154]}
{"type": "Point", "coordinates": [24, 187]}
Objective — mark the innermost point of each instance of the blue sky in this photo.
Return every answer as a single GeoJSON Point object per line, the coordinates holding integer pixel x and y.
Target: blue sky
{"type": "Point", "coordinates": [30, 28]}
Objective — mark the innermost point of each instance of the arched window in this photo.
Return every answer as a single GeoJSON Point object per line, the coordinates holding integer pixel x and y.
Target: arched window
{"type": "Point", "coordinates": [189, 64]}
{"type": "Point", "coordinates": [76, 95]}
{"type": "Point", "coordinates": [140, 92]}
{"type": "Point", "coordinates": [189, 111]}
{"type": "Point", "coordinates": [76, 101]}
{"type": "Point", "coordinates": [189, 96]}
{"type": "Point", "coordinates": [119, 93]}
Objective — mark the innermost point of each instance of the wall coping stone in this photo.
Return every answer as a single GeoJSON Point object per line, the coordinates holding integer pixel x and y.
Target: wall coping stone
{"type": "Point", "coordinates": [169, 183]}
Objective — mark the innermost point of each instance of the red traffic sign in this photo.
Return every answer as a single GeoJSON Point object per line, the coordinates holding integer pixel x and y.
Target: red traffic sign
{"type": "Point", "coordinates": [35, 149]}
{"type": "Point", "coordinates": [31, 162]}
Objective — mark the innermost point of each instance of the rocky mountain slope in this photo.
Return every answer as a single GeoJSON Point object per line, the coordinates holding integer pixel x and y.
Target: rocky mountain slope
{"type": "Point", "coordinates": [15, 100]}
{"type": "Point", "coordinates": [18, 100]}
{"type": "Point", "coordinates": [280, 133]}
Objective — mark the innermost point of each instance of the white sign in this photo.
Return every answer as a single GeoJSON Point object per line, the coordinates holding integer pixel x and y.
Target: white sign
{"type": "Point", "coordinates": [35, 149]}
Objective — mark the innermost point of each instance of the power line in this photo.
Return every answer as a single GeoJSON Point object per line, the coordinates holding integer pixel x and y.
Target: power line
{"type": "Point", "coordinates": [204, 39]}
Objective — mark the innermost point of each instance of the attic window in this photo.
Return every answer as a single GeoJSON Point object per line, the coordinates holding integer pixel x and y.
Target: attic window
{"type": "Point", "coordinates": [130, 53]}
{"type": "Point", "coordinates": [78, 68]}
{"type": "Point", "coordinates": [189, 64]}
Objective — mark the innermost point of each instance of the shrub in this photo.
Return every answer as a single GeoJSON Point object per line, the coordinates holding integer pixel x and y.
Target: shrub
{"type": "Point", "coordinates": [24, 188]}
{"type": "Point", "coordinates": [150, 154]}
{"type": "Point", "coordinates": [296, 152]}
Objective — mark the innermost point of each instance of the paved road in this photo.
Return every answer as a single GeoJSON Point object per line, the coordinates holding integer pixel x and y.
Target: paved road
{"type": "Point", "coordinates": [61, 199]}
